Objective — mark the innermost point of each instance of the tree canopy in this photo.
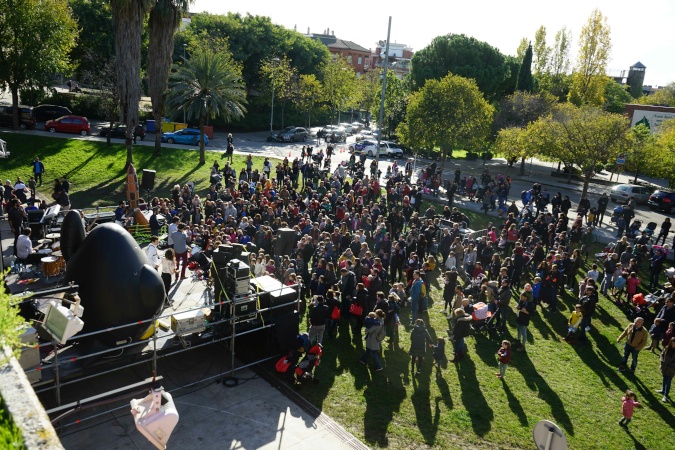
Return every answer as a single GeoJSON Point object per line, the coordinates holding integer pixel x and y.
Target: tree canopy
{"type": "Point", "coordinates": [94, 19]}
{"type": "Point", "coordinates": [464, 56]}
{"type": "Point", "coordinates": [525, 80]}
{"type": "Point", "coordinates": [36, 38]}
{"type": "Point", "coordinates": [589, 77]}
{"type": "Point", "coordinates": [585, 137]}
{"type": "Point", "coordinates": [664, 96]}
{"type": "Point", "coordinates": [255, 39]}
{"type": "Point", "coordinates": [449, 113]}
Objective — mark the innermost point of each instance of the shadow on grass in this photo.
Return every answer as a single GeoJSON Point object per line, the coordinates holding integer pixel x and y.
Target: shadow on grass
{"type": "Point", "coordinates": [537, 383]}
{"type": "Point", "coordinates": [543, 326]}
{"type": "Point", "coordinates": [637, 444]}
{"type": "Point", "coordinates": [473, 399]}
{"type": "Point", "coordinates": [515, 405]}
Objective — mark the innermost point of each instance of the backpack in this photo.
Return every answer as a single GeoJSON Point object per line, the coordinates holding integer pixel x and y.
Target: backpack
{"type": "Point", "coordinates": [381, 333]}
{"type": "Point", "coordinates": [423, 292]}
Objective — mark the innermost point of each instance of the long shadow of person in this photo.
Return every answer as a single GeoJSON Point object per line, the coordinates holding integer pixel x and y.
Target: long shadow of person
{"type": "Point", "coordinates": [603, 362]}
{"type": "Point", "coordinates": [444, 389]}
{"type": "Point", "coordinates": [384, 395]}
{"type": "Point", "coordinates": [486, 349]}
{"type": "Point", "coordinates": [472, 398]}
{"type": "Point", "coordinates": [638, 445]}
{"type": "Point", "coordinates": [514, 404]}
{"type": "Point", "coordinates": [537, 383]}
{"type": "Point", "coordinates": [422, 406]}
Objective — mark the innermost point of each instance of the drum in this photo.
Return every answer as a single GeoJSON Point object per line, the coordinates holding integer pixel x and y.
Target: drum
{"type": "Point", "coordinates": [44, 251]}
{"type": "Point", "coordinates": [62, 262]}
{"type": "Point", "coordinates": [50, 266]}
{"type": "Point", "coordinates": [56, 246]}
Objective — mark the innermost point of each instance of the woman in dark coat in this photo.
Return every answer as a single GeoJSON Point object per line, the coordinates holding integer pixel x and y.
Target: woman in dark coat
{"type": "Point", "coordinates": [420, 340]}
{"type": "Point", "coordinates": [667, 368]}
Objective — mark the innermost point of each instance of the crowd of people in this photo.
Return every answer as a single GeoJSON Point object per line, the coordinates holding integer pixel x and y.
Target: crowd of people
{"type": "Point", "coordinates": [367, 254]}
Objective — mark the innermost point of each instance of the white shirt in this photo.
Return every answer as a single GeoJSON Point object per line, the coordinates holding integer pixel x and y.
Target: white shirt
{"type": "Point", "coordinates": [24, 247]}
{"type": "Point", "coordinates": [168, 266]}
{"type": "Point", "coordinates": [152, 254]}
{"type": "Point", "coordinates": [593, 274]}
{"type": "Point", "coordinates": [171, 229]}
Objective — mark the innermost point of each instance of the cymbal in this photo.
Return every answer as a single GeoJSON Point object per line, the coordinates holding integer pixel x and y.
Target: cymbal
{"type": "Point", "coordinates": [53, 236]}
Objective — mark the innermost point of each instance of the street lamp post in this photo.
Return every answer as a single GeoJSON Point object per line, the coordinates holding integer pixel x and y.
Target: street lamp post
{"type": "Point", "coordinates": [275, 61]}
{"type": "Point", "coordinates": [184, 47]}
{"type": "Point", "coordinates": [384, 91]}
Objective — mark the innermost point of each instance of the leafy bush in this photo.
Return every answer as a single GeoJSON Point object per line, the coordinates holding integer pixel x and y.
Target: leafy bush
{"type": "Point", "coordinates": [486, 155]}
{"type": "Point", "coordinates": [32, 97]}
{"type": "Point", "coordinates": [471, 156]}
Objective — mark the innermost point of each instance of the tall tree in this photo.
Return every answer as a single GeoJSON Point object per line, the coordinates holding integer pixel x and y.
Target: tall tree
{"type": "Point", "coordinates": [586, 137]}
{"type": "Point", "coordinates": [128, 16]}
{"type": "Point", "coordinates": [280, 73]}
{"type": "Point", "coordinates": [542, 52]}
{"type": "Point", "coordinates": [517, 111]}
{"type": "Point", "coordinates": [595, 46]}
{"type": "Point", "coordinates": [525, 81]}
{"type": "Point", "coordinates": [35, 39]}
{"type": "Point", "coordinates": [522, 48]}
{"type": "Point", "coordinates": [449, 113]}
{"type": "Point", "coordinates": [339, 83]}
{"type": "Point", "coordinates": [464, 56]}
{"type": "Point", "coordinates": [94, 19]}
{"type": "Point", "coordinates": [556, 79]}
{"type": "Point", "coordinates": [661, 157]}
{"type": "Point", "coordinates": [164, 18]}
{"type": "Point", "coordinates": [103, 79]}
{"type": "Point", "coordinates": [208, 85]}
{"type": "Point", "coordinates": [310, 94]}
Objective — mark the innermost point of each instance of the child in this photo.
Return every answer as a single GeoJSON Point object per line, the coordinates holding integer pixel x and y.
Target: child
{"type": "Point", "coordinates": [573, 323]}
{"type": "Point", "coordinates": [439, 352]}
{"type": "Point", "coordinates": [631, 287]}
{"type": "Point", "coordinates": [593, 273]}
{"type": "Point", "coordinates": [590, 219]}
{"type": "Point", "coordinates": [670, 332]}
{"type": "Point", "coordinates": [504, 354]}
{"type": "Point", "coordinates": [628, 403]}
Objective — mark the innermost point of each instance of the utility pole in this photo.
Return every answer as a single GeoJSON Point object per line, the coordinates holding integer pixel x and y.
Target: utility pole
{"type": "Point", "coordinates": [384, 90]}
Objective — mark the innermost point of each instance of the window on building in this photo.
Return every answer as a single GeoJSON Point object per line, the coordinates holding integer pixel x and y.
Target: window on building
{"type": "Point", "coordinates": [360, 60]}
{"type": "Point", "coordinates": [349, 59]}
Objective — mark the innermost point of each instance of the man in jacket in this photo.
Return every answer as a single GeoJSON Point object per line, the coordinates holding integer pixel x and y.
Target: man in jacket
{"type": "Point", "coordinates": [373, 323]}
{"type": "Point", "coordinates": [317, 320]}
{"type": "Point", "coordinates": [347, 289]}
{"type": "Point", "coordinates": [636, 339]}
{"type": "Point", "coordinates": [503, 299]}
{"type": "Point", "coordinates": [588, 303]}
{"type": "Point", "coordinates": [415, 295]}
{"type": "Point", "coordinates": [665, 316]}
{"type": "Point", "coordinates": [603, 201]}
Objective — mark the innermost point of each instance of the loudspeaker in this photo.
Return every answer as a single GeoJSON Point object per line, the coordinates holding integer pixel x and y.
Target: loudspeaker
{"type": "Point", "coordinates": [284, 242]}
{"type": "Point", "coordinates": [148, 181]}
{"type": "Point", "coordinates": [286, 328]}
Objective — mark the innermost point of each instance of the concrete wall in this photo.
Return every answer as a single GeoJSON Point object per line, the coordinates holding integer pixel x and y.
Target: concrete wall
{"type": "Point", "coordinates": [25, 408]}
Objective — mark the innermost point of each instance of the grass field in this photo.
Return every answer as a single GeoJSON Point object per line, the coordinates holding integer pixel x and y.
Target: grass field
{"type": "Point", "coordinates": [462, 406]}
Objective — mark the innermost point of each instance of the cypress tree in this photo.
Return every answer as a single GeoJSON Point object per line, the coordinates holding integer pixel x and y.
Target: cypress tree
{"type": "Point", "coordinates": [525, 80]}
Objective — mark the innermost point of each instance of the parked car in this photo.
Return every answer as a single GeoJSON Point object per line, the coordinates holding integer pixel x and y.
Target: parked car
{"type": "Point", "coordinates": [336, 135]}
{"type": "Point", "coordinates": [363, 134]}
{"type": "Point", "coordinates": [120, 132]}
{"type": "Point", "coordinates": [188, 136]}
{"type": "Point", "coordinates": [26, 119]}
{"type": "Point", "coordinates": [358, 147]}
{"type": "Point", "coordinates": [622, 192]}
{"type": "Point", "coordinates": [662, 200]}
{"type": "Point", "coordinates": [326, 130]}
{"type": "Point", "coordinates": [356, 127]}
{"type": "Point", "coordinates": [290, 134]}
{"type": "Point", "coordinates": [69, 124]}
{"type": "Point", "coordinates": [390, 149]}
{"type": "Point", "coordinates": [349, 129]}
{"type": "Point", "coordinates": [314, 131]}
{"type": "Point", "coordinates": [43, 113]}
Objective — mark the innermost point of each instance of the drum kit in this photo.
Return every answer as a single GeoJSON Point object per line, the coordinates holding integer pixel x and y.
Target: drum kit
{"type": "Point", "coordinates": [52, 260]}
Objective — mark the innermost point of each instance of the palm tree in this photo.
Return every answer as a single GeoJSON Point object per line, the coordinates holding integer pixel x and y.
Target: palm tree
{"type": "Point", "coordinates": [128, 16]}
{"type": "Point", "coordinates": [164, 19]}
{"type": "Point", "coordinates": [207, 85]}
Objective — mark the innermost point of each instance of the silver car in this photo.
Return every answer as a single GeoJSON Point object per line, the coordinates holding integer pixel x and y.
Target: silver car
{"type": "Point", "coordinates": [622, 192]}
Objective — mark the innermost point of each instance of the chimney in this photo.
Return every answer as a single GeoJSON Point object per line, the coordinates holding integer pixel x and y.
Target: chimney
{"type": "Point", "coordinates": [333, 32]}
{"type": "Point", "coordinates": [308, 30]}
{"type": "Point", "coordinates": [327, 30]}
{"type": "Point", "coordinates": [295, 27]}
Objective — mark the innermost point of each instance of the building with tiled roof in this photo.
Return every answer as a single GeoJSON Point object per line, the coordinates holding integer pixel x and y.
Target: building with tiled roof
{"type": "Point", "coordinates": [351, 52]}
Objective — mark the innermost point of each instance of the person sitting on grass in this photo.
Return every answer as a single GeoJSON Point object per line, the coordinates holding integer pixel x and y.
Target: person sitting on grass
{"type": "Point", "coordinates": [573, 323]}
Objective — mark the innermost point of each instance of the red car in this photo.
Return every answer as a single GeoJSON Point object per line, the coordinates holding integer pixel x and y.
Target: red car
{"type": "Point", "coordinates": [69, 124]}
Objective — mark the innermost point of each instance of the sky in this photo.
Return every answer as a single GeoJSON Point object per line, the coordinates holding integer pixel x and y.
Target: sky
{"type": "Point", "coordinates": [640, 32]}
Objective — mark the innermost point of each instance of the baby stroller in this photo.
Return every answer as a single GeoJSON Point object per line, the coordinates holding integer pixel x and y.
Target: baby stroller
{"type": "Point", "coordinates": [304, 370]}
{"type": "Point", "coordinates": [473, 288]}
{"type": "Point", "coordinates": [651, 227]}
{"type": "Point", "coordinates": [616, 213]}
{"type": "Point", "coordinates": [634, 229]}
{"type": "Point", "coordinates": [484, 320]}
{"type": "Point", "coordinates": [642, 305]}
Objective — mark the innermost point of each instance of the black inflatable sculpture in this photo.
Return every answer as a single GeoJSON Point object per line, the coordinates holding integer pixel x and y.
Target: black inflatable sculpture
{"type": "Point", "coordinates": [116, 284]}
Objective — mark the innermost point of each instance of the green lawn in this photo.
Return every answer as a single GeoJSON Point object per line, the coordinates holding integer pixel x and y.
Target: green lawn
{"type": "Point", "coordinates": [464, 406]}
{"type": "Point", "coordinates": [96, 170]}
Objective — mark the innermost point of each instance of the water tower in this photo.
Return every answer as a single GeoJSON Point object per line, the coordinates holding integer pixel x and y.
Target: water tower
{"type": "Point", "coordinates": [636, 77]}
